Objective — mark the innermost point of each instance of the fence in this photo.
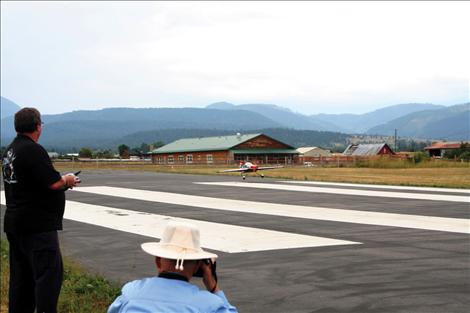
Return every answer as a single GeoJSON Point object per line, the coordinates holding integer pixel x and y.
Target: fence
{"type": "Point", "coordinates": [346, 160]}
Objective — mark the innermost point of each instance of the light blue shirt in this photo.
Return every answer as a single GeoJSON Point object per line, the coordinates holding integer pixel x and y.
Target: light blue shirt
{"type": "Point", "coordinates": [163, 295]}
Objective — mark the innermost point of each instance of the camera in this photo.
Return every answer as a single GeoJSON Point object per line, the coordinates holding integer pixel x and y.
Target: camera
{"type": "Point", "coordinates": [212, 265]}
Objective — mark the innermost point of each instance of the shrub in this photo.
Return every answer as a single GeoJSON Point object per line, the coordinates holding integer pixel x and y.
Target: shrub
{"type": "Point", "coordinates": [465, 156]}
{"type": "Point", "coordinates": [420, 156]}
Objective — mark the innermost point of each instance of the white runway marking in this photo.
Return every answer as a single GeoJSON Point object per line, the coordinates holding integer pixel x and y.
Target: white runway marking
{"type": "Point", "coordinates": [455, 225]}
{"type": "Point", "coordinates": [221, 237]}
{"type": "Point", "coordinates": [215, 236]}
{"type": "Point", "coordinates": [340, 191]}
{"type": "Point", "coordinates": [452, 190]}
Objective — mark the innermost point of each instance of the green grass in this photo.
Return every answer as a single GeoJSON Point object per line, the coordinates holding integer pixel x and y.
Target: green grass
{"type": "Point", "coordinates": [81, 291]}
{"type": "Point", "coordinates": [429, 173]}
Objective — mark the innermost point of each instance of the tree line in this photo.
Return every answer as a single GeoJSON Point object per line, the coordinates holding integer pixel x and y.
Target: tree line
{"type": "Point", "coordinates": [123, 151]}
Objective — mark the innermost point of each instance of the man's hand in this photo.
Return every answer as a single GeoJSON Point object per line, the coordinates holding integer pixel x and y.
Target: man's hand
{"type": "Point", "coordinates": [208, 278]}
{"type": "Point", "coordinates": [71, 180]}
{"type": "Point", "coordinates": [65, 182]}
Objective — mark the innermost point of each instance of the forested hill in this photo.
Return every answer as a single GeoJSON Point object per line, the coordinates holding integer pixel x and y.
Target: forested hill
{"type": "Point", "coordinates": [8, 107]}
{"type": "Point", "coordinates": [448, 123]}
{"type": "Point", "coordinates": [107, 128]}
{"type": "Point", "coordinates": [99, 127]}
{"type": "Point", "coordinates": [360, 123]}
{"type": "Point", "coordinates": [293, 137]}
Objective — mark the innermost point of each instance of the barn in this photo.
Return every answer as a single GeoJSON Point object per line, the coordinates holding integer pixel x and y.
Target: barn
{"type": "Point", "coordinates": [368, 150]}
{"type": "Point", "coordinates": [256, 148]}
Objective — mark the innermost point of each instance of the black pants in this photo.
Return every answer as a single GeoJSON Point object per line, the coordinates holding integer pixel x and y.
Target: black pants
{"type": "Point", "coordinates": [35, 272]}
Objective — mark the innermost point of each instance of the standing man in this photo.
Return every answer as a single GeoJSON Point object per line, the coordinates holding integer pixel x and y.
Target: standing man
{"type": "Point", "coordinates": [35, 201]}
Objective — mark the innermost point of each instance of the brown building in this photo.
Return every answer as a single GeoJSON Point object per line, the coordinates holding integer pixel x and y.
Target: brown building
{"type": "Point", "coordinates": [257, 148]}
{"type": "Point", "coordinates": [438, 149]}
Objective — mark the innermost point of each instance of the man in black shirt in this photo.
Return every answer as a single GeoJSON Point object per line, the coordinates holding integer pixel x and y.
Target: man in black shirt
{"type": "Point", "coordinates": [35, 201]}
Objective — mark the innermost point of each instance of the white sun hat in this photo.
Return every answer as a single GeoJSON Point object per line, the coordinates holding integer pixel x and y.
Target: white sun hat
{"type": "Point", "coordinates": [180, 241]}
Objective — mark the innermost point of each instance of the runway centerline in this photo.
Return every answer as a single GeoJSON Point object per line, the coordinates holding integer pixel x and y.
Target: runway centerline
{"type": "Point", "coordinates": [342, 191]}
{"type": "Point", "coordinates": [390, 187]}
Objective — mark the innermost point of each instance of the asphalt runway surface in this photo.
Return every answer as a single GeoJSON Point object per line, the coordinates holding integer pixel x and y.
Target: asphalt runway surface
{"type": "Point", "coordinates": [317, 248]}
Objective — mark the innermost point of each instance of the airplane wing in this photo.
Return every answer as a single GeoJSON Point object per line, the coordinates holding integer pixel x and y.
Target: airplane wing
{"type": "Point", "coordinates": [269, 168]}
{"type": "Point", "coordinates": [234, 170]}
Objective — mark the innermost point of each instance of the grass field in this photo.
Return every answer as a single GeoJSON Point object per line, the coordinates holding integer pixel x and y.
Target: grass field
{"type": "Point", "coordinates": [431, 174]}
{"type": "Point", "coordinates": [81, 292]}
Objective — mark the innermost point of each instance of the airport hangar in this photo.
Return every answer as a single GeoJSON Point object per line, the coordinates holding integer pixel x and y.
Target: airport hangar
{"type": "Point", "coordinates": [257, 148]}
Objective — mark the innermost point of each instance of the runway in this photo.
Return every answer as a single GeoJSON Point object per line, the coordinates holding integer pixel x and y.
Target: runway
{"type": "Point", "coordinates": [285, 246]}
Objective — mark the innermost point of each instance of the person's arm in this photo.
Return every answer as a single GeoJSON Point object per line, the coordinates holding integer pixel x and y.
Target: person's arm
{"type": "Point", "coordinates": [119, 305]}
{"type": "Point", "coordinates": [116, 306]}
{"type": "Point", "coordinates": [208, 278]}
{"type": "Point", "coordinates": [65, 182]}
{"type": "Point", "coordinates": [227, 308]}
{"type": "Point", "coordinates": [212, 286]}
{"type": "Point", "coordinates": [41, 173]}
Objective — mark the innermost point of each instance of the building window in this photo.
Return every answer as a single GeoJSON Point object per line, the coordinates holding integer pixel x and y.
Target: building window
{"type": "Point", "coordinates": [171, 159]}
{"type": "Point", "coordinates": [181, 158]}
{"type": "Point", "coordinates": [189, 158]}
{"type": "Point", "coordinates": [210, 159]}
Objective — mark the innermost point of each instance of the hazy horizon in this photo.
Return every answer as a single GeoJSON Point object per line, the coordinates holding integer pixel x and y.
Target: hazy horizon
{"type": "Point", "coordinates": [310, 57]}
{"type": "Point", "coordinates": [204, 106]}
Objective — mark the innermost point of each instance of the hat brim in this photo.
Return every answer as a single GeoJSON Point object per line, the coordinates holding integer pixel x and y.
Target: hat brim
{"type": "Point", "coordinates": [168, 252]}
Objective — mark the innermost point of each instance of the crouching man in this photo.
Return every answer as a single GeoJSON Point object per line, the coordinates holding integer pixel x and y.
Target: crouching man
{"type": "Point", "coordinates": [178, 257]}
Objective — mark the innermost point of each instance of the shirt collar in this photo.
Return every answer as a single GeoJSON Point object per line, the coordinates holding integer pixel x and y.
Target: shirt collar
{"type": "Point", "coordinates": [172, 275]}
{"type": "Point", "coordinates": [24, 137]}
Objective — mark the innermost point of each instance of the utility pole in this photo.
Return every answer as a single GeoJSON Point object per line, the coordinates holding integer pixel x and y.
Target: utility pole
{"type": "Point", "coordinates": [395, 140]}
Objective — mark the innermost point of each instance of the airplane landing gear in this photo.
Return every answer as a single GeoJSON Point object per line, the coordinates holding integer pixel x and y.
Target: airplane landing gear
{"type": "Point", "coordinates": [243, 177]}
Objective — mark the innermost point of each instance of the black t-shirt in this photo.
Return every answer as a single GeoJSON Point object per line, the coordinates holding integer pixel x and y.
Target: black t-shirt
{"type": "Point", "coordinates": [32, 207]}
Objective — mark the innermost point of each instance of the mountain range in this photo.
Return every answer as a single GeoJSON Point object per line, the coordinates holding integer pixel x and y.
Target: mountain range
{"type": "Point", "coordinates": [448, 123]}
{"type": "Point", "coordinates": [419, 120]}
{"type": "Point", "coordinates": [107, 128]}
{"type": "Point", "coordinates": [361, 123]}
{"type": "Point", "coordinates": [8, 107]}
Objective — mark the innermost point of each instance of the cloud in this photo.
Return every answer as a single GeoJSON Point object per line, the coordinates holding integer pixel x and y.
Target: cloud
{"type": "Point", "coordinates": [351, 56]}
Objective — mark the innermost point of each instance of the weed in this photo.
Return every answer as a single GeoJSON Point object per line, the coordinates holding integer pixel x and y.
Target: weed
{"type": "Point", "coordinates": [81, 292]}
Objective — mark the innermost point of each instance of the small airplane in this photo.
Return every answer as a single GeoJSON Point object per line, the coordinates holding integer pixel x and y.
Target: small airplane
{"type": "Point", "coordinates": [248, 167]}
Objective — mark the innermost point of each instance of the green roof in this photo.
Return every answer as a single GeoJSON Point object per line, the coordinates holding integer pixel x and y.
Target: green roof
{"type": "Point", "coordinates": [204, 144]}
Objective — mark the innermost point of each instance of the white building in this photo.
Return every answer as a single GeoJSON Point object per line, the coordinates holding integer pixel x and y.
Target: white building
{"type": "Point", "coordinates": [315, 152]}
{"type": "Point", "coordinates": [53, 155]}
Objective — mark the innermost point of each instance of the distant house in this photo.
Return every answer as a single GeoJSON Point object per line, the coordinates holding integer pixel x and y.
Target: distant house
{"type": "Point", "coordinates": [257, 148]}
{"type": "Point", "coordinates": [438, 149]}
{"type": "Point", "coordinates": [368, 150]}
{"type": "Point", "coordinates": [313, 152]}
{"type": "Point", "coordinates": [312, 155]}
{"type": "Point", "coordinates": [53, 155]}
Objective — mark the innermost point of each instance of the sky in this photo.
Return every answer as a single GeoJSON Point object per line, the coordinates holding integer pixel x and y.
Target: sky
{"type": "Point", "coordinates": [311, 57]}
